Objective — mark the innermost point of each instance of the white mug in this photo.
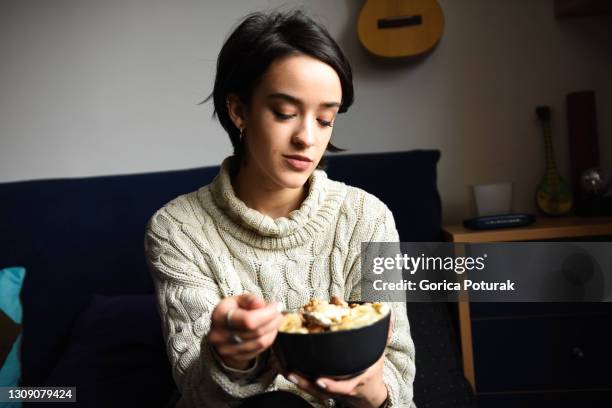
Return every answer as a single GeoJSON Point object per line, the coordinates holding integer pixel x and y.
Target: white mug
{"type": "Point", "coordinates": [493, 199]}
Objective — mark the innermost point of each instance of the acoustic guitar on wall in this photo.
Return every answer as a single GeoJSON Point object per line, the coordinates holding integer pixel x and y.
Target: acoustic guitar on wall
{"type": "Point", "coordinates": [400, 28]}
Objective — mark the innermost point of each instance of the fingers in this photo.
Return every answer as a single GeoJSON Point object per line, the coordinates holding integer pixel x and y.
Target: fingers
{"type": "Point", "coordinates": [250, 320]}
{"type": "Point", "coordinates": [309, 387]}
{"type": "Point", "coordinates": [222, 335]}
{"type": "Point", "coordinates": [237, 308]}
{"type": "Point", "coordinates": [348, 387]}
{"type": "Point", "coordinates": [391, 327]}
{"type": "Point", "coordinates": [219, 315]}
{"type": "Point", "coordinates": [256, 346]}
{"type": "Point", "coordinates": [250, 301]}
{"type": "Point", "coordinates": [344, 387]}
{"type": "Point", "coordinates": [247, 350]}
{"type": "Point", "coordinates": [271, 326]}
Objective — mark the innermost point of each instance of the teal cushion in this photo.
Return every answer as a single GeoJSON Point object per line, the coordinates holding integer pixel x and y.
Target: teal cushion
{"type": "Point", "coordinates": [11, 280]}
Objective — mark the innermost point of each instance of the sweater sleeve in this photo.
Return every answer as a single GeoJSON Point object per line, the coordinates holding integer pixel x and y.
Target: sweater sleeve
{"type": "Point", "coordinates": [187, 295]}
{"type": "Point", "coordinates": [399, 364]}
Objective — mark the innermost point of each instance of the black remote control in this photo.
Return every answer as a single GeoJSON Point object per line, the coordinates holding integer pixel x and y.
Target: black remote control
{"type": "Point", "coordinates": [499, 221]}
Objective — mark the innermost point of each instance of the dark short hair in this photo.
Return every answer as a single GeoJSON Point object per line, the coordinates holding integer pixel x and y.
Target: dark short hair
{"type": "Point", "coordinates": [260, 39]}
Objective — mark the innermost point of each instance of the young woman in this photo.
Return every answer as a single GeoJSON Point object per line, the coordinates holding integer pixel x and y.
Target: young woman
{"type": "Point", "coordinates": [271, 231]}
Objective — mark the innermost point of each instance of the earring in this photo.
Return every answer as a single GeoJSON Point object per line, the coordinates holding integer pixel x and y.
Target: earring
{"type": "Point", "coordinates": [241, 133]}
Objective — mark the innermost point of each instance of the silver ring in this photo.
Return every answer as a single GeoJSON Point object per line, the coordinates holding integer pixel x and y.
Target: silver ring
{"type": "Point", "coordinates": [237, 339]}
{"type": "Point", "coordinates": [228, 318]}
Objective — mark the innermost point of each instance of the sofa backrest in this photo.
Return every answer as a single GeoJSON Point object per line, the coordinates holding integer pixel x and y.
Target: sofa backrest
{"type": "Point", "coordinates": [405, 181]}
{"type": "Point", "coordinates": [79, 237]}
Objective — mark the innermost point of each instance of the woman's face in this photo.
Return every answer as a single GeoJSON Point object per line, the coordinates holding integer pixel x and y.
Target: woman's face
{"type": "Point", "coordinates": [289, 121]}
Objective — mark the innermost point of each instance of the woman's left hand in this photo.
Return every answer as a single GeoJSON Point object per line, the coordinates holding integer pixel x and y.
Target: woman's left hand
{"type": "Point", "coordinates": [365, 390]}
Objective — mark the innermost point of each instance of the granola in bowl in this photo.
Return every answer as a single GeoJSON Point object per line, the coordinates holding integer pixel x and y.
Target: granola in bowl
{"type": "Point", "coordinates": [319, 316]}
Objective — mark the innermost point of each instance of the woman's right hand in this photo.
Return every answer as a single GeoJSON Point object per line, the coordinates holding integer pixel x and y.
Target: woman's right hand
{"type": "Point", "coordinates": [243, 327]}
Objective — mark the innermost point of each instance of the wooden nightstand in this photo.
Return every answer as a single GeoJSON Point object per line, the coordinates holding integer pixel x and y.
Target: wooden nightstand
{"type": "Point", "coordinates": [544, 229]}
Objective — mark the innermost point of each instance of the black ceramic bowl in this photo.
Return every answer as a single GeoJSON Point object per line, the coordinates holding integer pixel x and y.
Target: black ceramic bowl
{"type": "Point", "coordinates": [341, 354]}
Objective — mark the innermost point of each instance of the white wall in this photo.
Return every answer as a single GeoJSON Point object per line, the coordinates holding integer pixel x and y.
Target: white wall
{"type": "Point", "coordinates": [108, 87]}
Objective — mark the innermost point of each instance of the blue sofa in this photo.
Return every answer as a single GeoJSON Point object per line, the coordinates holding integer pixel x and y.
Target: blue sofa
{"type": "Point", "coordinates": [90, 316]}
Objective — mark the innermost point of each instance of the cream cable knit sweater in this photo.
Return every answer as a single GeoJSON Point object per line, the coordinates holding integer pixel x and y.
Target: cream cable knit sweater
{"type": "Point", "coordinates": [208, 244]}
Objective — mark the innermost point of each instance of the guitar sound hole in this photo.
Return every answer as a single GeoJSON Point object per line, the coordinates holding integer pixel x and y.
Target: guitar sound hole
{"type": "Point", "coordinates": [400, 21]}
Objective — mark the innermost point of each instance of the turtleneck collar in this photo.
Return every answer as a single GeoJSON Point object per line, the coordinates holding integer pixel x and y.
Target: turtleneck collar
{"type": "Point", "coordinates": [314, 214]}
